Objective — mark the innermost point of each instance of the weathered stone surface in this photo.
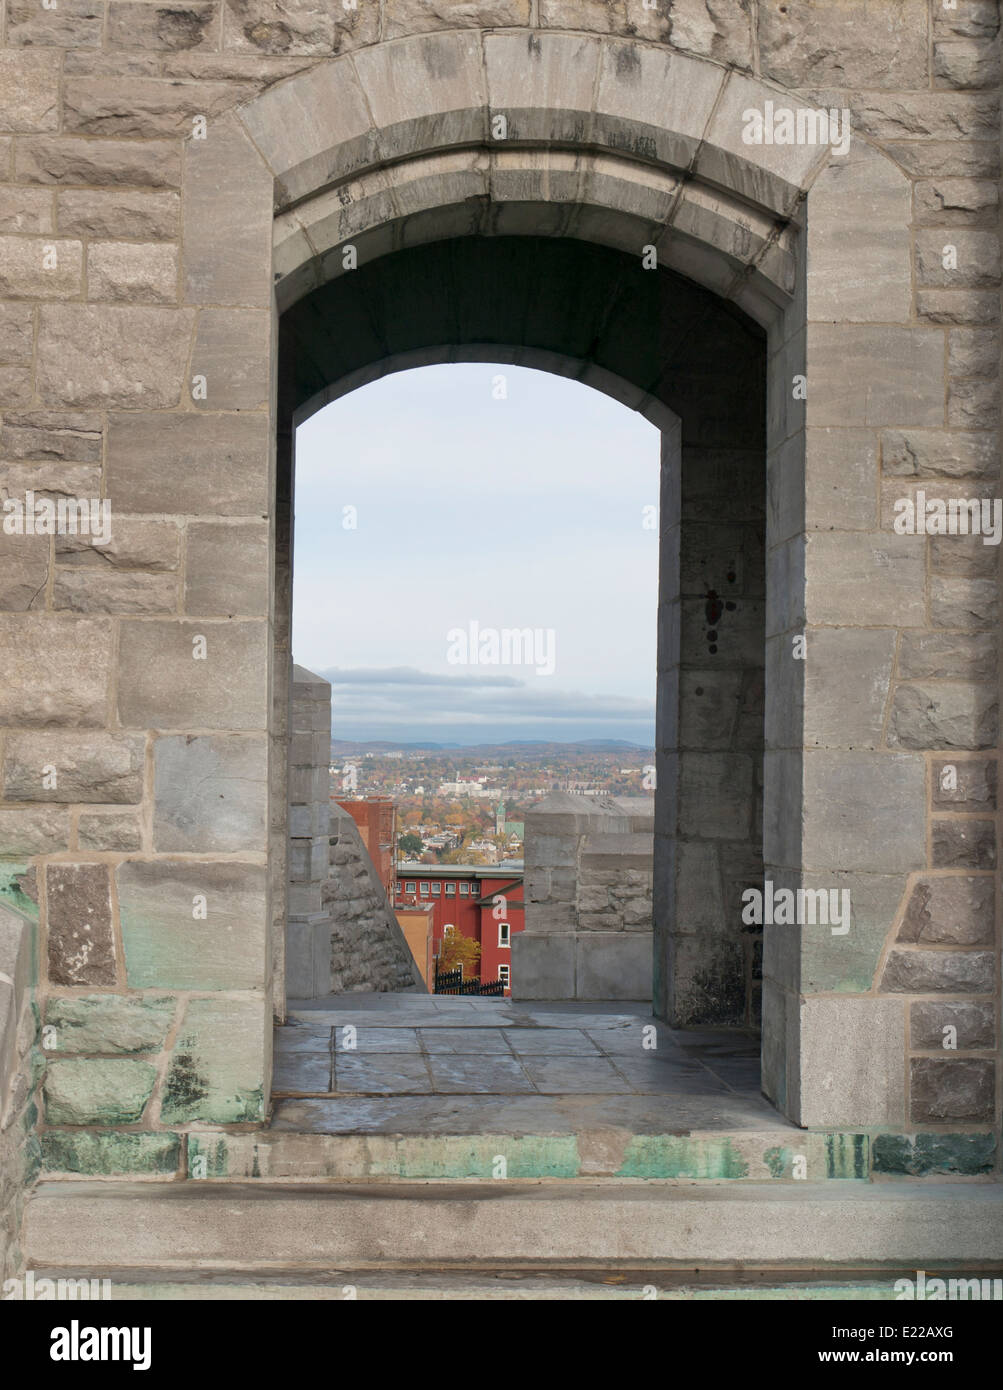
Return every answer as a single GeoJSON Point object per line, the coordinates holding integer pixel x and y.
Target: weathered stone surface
{"type": "Point", "coordinates": [967, 784]}
{"type": "Point", "coordinates": [962, 1089]}
{"type": "Point", "coordinates": [167, 28]}
{"type": "Point", "coordinates": [74, 159]}
{"type": "Point", "coordinates": [71, 24]}
{"type": "Point", "coordinates": [132, 273]}
{"type": "Point", "coordinates": [935, 159]}
{"type": "Point", "coordinates": [957, 306]}
{"type": "Point", "coordinates": [863, 811]}
{"type": "Point", "coordinates": [87, 767]}
{"type": "Point", "coordinates": [24, 569]}
{"type": "Point", "coordinates": [964, 603]}
{"type": "Point", "coordinates": [301, 27]}
{"type": "Point", "coordinates": [114, 213]}
{"type": "Point", "coordinates": [61, 435]}
{"type": "Point", "coordinates": [964, 844]}
{"type": "Point", "coordinates": [81, 934]}
{"type": "Point", "coordinates": [952, 910]}
{"type": "Point", "coordinates": [110, 1154]}
{"type": "Point", "coordinates": [973, 405]}
{"type": "Point", "coordinates": [111, 1092]}
{"type": "Point", "coordinates": [166, 947]}
{"type": "Point", "coordinates": [217, 1067]}
{"type": "Point", "coordinates": [974, 1023]}
{"type": "Point", "coordinates": [955, 202]}
{"type": "Point", "coordinates": [210, 793]}
{"type": "Point", "coordinates": [195, 464]}
{"type": "Point", "coordinates": [16, 385]}
{"type": "Point", "coordinates": [55, 673]}
{"type": "Point", "coordinates": [164, 683]}
{"type": "Point", "coordinates": [921, 1155]}
{"type": "Point", "coordinates": [28, 832]}
{"type": "Point", "coordinates": [875, 375]}
{"type": "Point", "coordinates": [231, 352]}
{"type": "Point", "coordinates": [903, 116]}
{"type": "Point", "coordinates": [872, 580]}
{"type": "Point", "coordinates": [26, 211]}
{"type": "Point", "coordinates": [88, 590]}
{"type": "Point", "coordinates": [943, 715]}
{"type": "Point", "coordinates": [116, 357]}
{"type": "Point", "coordinates": [847, 676]}
{"type": "Point", "coordinates": [851, 1061]}
{"type": "Point", "coordinates": [977, 254]}
{"type": "Point", "coordinates": [147, 545]}
{"type": "Point", "coordinates": [110, 1023]}
{"type": "Point", "coordinates": [965, 556]}
{"type": "Point", "coordinates": [947, 656]}
{"type": "Point", "coordinates": [109, 832]}
{"type": "Point", "coordinates": [37, 268]}
{"type": "Point", "coordinates": [973, 352]}
{"type": "Point", "coordinates": [862, 43]}
{"type": "Point", "coordinates": [971, 18]}
{"type": "Point", "coordinates": [226, 570]}
{"type": "Point", "coordinates": [939, 972]}
{"type": "Point", "coordinates": [966, 63]}
{"type": "Point", "coordinates": [145, 107]}
{"type": "Point", "coordinates": [228, 198]}
{"type": "Point", "coordinates": [29, 90]}
{"type": "Point", "coordinates": [16, 333]}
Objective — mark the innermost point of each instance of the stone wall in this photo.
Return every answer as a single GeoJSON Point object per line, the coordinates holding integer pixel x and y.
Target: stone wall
{"type": "Point", "coordinates": [588, 923]}
{"type": "Point", "coordinates": [20, 1066]}
{"type": "Point", "coordinates": [308, 928]}
{"type": "Point", "coordinates": [368, 948]}
{"type": "Point", "coordinates": [143, 276]}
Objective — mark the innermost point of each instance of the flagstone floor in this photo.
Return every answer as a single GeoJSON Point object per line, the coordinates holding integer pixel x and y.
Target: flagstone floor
{"type": "Point", "coordinates": [434, 1064]}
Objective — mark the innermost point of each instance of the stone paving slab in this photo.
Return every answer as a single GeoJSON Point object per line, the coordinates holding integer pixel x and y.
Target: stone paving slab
{"type": "Point", "coordinates": [545, 1040]}
{"type": "Point", "coordinates": [527, 1114]}
{"type": "Point", "coordinates": [478, 1075]}
{"type": "Point", "coordinates": [391, 1073]}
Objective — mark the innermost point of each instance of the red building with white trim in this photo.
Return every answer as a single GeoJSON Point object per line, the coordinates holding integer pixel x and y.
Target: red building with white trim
{"type": "Point", "coordinates": [482, 902]}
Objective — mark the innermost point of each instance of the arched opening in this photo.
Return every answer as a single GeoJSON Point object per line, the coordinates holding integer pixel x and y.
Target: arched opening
{"type": "Point", "coordinates": [695, 365]}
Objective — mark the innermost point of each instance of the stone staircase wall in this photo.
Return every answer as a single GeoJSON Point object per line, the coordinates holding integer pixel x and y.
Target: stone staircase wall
{"type": "Point", "coordinates": [368, 948]}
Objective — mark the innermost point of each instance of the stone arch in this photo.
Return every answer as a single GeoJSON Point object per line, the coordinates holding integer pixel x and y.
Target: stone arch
{"type": "Point", "coordinates": [621, 144]}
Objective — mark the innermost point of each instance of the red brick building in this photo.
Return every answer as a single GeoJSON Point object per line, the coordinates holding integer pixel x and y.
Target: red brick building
{"type": "Point", "coordinates": [376, 817]}
{"type": "Point", "coordinates": [484, 903]}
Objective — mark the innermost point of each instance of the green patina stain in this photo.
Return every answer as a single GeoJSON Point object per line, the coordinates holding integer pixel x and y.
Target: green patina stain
{"type": "Point", "coordinates": [678, 1156]}
{"type": "Point", "coordinates": [13, 877]}
{"type": "Point", "coordinates": [922, 1155]}
{"type": "Point", "coordinates": [464, 1156]}
{"type": "Point", "coordinates": [213, 1150]}
{"type": "Point", "coordinates": [776, 1161]}
{"type": "Point", "coordinates": [110, 1154]}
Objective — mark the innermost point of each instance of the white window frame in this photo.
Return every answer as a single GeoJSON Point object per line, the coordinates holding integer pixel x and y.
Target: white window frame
{"type": "Point", "coordinates": [464, 890]}
{"type": "Point", "coordinates": [423, 889]}
{"type": "Point", "coordinates": [506, 939]}
{"type": "Point", "coordinates": [450, 890]}
{"type": "Point", "coordinates": [505, 975]}
{"type": "Point", "coordinates": [409, 887]}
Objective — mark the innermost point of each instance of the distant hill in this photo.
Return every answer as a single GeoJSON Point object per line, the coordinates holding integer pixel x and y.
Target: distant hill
{"type": "Point", "coordinates": [537, 747]}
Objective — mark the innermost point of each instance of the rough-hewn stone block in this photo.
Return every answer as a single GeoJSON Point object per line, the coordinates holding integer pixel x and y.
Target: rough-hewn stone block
{"type": "Point", "coordinates": [196, 464]}
{"type": "Point", "coordinates": [29, 90]}
{"type": "Point", "coordinates": [209, 794]}
{"type": "Point", "coordinates": [939, 972]}
{"type": "Point", "coordinates": [74, 159]}
{"type": "Point", "coordinates": [967, 784]}
{"type": "Point", "coordinates": [118, 831]}
{"type": "Point", "coordinates": [113, 213]}
{"type": "Point", "coordinates": [861, 43]}
{"type": "Point", "coordinates": [132, 273]}
{"type": "Point", "coordinates": [88, 767]}
{"type": "Point", "coordinates": [952, 910]}
{"type": "Point", "coordinates": [165, 28]}
{"type": "Point", "coordinates": [116, 357]}
{"type": "Point", "coordinates": [217, 1067]}
{"type": "Point", "coordinates": [110, 1154]}
{"type": "Point", "coordinates": [975, 1025]}
{"type": "Point", "coordinates": [55, 672]}
{"type": "Point", "coordinates": [81, 934]}
{"type": "Point", "coordinates": [165, 682]}
{"type": "Point", "coordinates": [962, 1089]}
{"type": "Point", "coordinates": [108, 1023]}
{"type": "Point", "coordinates": [85, 1092]}
{"type": "Point", "coordinates": [964, 844]}
{"type": "Point", "coordinates": [943, 715]}
{"type": "Point", "coordinates": [169, 944]}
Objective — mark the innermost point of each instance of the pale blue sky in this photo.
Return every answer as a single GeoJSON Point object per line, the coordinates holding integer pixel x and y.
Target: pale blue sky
{"type": "Point", "coordinates": [523, 512]}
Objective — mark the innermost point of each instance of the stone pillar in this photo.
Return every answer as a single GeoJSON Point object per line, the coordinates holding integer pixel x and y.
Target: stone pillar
{"type": "Point", "coordinates": [308, 937]}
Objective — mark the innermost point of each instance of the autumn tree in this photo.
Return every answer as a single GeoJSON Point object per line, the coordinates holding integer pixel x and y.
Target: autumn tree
{"type": "Point", "coordinates": [457, 950]}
